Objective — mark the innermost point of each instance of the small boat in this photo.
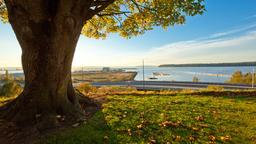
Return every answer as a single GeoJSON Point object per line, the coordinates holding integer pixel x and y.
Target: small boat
{"type": "Point", "coordinates": [160, 74]}
{"type": "Point", "coordinates": [152, 78]}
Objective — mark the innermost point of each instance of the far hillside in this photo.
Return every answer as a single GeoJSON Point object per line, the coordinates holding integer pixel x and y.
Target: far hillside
{"type": "Point", "coordinates": [211, 64]}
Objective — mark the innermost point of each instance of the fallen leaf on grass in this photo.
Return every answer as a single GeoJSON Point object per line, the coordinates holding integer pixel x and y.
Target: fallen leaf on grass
{"type": "Point", "coordinates": [195, 128]}
{"type": "Point", "coordinates": [106, 138]}
{"type": "Point", "coordinates": [162, 115]}
{"type": "Point", "coordinates": [225, 138]}
{"type": "Point", "coordinates": [75, 125]}
{"type": "Point", "coordinates": [169, 123]}
{"type": "Point", "coordinates": [199, 118]}
{"type": "Point", "coordinates": [191, 138]}
{"type": "Point", "coordinates": [139, 126]}
{"type": "Point", "coordinates": [214, 112]}
{"type": "Point", "coordinates": [212, 138]}
{"type": "Point", "coordinates": [177, 138]}
{"type": "Point", "coordinates": [129, 132]}
{"type": "Point", "coordinates": [203, 125]}
{"type": "Point", "coordinates": [152, 141]}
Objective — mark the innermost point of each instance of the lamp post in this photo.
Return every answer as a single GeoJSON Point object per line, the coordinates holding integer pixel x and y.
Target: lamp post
{"type": "Point", "coordinates": [253, 77]}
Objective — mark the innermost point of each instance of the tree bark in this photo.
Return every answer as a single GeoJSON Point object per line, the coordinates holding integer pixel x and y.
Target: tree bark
{"type": "Point", "coordinates": [48, 33]}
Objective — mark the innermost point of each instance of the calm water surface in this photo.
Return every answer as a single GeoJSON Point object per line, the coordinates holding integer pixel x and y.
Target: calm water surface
{"type": "Point", "coordinates": [205, 74]}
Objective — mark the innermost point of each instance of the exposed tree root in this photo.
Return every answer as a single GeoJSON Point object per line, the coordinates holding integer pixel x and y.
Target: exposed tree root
{"type": "Point", "coordinates": [12, 133]}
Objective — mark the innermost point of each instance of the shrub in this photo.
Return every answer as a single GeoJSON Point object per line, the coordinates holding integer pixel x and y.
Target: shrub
{"type": "Point", "coordinates": [195, 79]}
{"type": "Point", "coordinates": [187, 91]}
{"type": "Point", "coordinates": [86, 88]}
{"type": "Point", "coordinates": [214, 88]}
{"type": "Point", "coordinates": [116, 89]}
{"type": "Point", "coordinates": [10, 89]}
{"type": "Point", "coordinates": [7, 76]}
{"type": "Point", "coordinates": [239, 78]}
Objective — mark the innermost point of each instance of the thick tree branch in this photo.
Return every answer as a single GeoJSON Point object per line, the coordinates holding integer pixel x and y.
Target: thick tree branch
{"type": "Point", "coordinates": [137, 5]}
{"type": "Point", "coordinates": [113, 13]}
{"type": "Point", "coordinates": [98, 3]}
{"type": "Point", "coordinates": [98, 9]}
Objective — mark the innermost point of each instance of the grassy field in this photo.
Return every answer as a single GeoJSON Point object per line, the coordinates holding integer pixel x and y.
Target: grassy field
{"type": "Point", "coordinates": [167, 119]}
{"type": "Point", "coordinates": [105, 76]}
{"type": "Point", "coordinates": [95, 76]}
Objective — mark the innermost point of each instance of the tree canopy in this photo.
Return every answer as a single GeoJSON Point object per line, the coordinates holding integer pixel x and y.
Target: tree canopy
{"type": "Point", "coordinates": [130, 17]}
{"type": "Point", "coordinates": [48, 31]}
{"type": "Point", "coordinates": [3, 11]}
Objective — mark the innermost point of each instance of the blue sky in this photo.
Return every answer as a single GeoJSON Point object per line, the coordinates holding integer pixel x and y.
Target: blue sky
{"type": "Point", "coordinates": [225, 33]}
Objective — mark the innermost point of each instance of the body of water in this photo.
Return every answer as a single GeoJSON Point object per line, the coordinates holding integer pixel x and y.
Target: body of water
{"type": "Point", "coordinates": [205, 74]}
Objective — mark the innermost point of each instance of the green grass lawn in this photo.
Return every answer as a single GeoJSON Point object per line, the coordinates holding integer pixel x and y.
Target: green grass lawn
{"type": "Point", "coordinates": [167, 119]}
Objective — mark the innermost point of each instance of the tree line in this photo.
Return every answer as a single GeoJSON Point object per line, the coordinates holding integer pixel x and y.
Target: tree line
{"type": "Point", "coordinates": [211, 64]}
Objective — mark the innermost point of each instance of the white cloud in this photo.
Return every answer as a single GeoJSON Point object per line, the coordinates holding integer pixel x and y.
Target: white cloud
{"type": "Point", "coordinates": [208, 50]}
{"type": "Point", "coordinates": [233, 31]}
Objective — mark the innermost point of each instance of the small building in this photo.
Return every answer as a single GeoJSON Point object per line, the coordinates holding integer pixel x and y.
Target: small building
{"type": "Point", "coordinates": [106, 69]}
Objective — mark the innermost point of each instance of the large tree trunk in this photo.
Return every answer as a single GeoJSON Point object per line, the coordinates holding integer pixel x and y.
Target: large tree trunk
{"type": "Point", "coordinates": [48, 33]}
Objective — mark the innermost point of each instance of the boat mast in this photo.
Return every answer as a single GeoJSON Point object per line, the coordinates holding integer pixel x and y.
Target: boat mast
{"type": "Point", "coordinates": [253, 77]}
{"type": "Point", "coordinates": [143, 72]}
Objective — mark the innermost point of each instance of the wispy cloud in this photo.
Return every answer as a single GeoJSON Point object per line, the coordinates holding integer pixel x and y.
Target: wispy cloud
{"type": "Point", "coordinates": [233, 31]}
{"type": "Point", "coordinates": [238, 44]}
{"type": "Point", "coordinates": [215, 48]}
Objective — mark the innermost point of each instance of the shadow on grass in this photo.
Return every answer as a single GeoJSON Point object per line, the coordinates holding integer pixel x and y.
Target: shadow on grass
{"type": "Point", "coordinates": [155, 118]}
{"type": "Point", "coordinates": [94, 131]}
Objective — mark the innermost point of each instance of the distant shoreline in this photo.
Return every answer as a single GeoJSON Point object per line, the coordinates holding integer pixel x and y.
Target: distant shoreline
{"type": "Point", "coordinates": [211, 64]}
